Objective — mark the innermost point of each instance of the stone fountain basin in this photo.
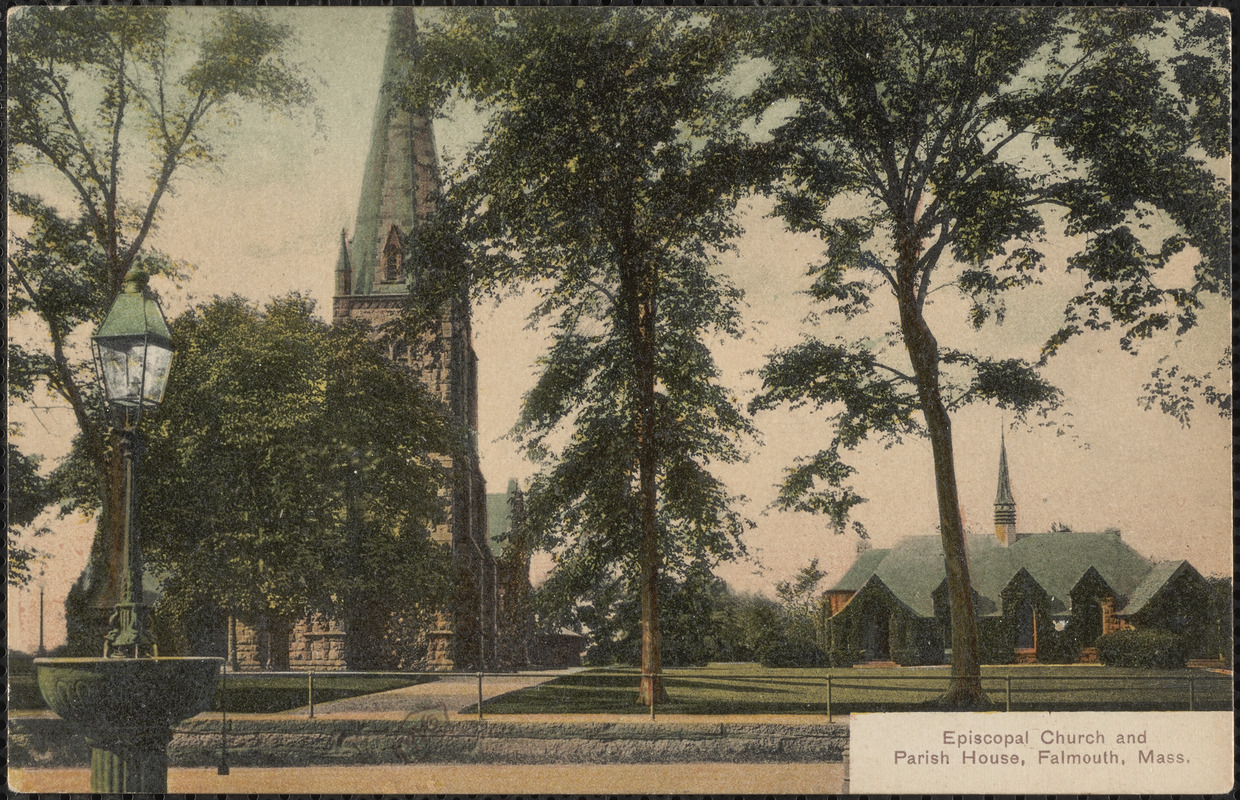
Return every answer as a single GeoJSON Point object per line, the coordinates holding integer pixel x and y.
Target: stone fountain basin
{"type": "Point", "coordinates": [103, 695]}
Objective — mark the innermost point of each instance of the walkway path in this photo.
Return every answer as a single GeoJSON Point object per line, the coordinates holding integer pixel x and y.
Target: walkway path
{"type": "Point", "coordinates": [729, 779]}
{"type": "Point", "coordinates": [452, 693]}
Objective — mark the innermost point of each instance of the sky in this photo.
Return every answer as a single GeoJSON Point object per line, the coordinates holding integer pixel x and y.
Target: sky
{"type": "Point", "coordinates": [266, 220]}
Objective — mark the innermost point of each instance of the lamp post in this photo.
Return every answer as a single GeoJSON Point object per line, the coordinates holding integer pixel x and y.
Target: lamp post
{"type": "Point", "coordinates": [127, 702]}
{"type": "Point", "coordinates": [133, 354]}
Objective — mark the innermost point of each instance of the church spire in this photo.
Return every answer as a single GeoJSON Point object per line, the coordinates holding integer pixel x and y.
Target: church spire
{"type": "Point", "coordinates": [1005, 504]}
{"type": "Point", "coordinates": [401, 178]}
{"type": "Point", "coordinates": [344, 272]}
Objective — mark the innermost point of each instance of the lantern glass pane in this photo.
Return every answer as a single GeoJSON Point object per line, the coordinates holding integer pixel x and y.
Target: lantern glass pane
{"type": "Point", "coordinates": [120, 360]}
{"type": "Point", "coordinates": [158, 362]}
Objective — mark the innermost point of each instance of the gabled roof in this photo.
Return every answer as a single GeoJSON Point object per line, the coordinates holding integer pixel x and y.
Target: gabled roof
{"type": "Point", "coordinates": [1058, 560]}
{"type": "Point", "coordinates": [860, 571]}
{"type": "Point", "coordinates": [1158, 577]}
{"type": "Point", "coordinates": [915, 567]}
{"type": "Point", "coordinates": [913, 570]}
{"type": "Point", "coordinates": [880, 584]}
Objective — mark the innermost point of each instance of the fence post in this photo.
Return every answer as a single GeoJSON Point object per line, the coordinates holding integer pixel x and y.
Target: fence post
{"type": "Point", "coordinates": [1009, 693]}
{"type": "Point", "coordinates": [1191, 698]}
{"type": "Point", "coordinates": [479, 695]}
{"type": "Point", "coordinates": [310, 691]}
{"type": "Point", "coordinates": [828, 698]}
{"type": "Point", "coordinates": [222, 768]}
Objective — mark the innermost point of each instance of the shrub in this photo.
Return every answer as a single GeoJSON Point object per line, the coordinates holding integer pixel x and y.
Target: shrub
{"type": "Point", "coordinates": [995, 643]}
{"type": "Point", "coordinates": [920, 644]}
{"type": "Point", "coordinates": [845, 656]}
{"type": "Point", "coordinates": [1149, 648]}
{"type": "Point", "coordinates": [793, 652]}
{"type": "Point", "coordinates": [1057, 647]}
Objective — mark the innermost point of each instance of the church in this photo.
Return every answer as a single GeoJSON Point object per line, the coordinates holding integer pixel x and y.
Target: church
{"type": "Point", "coordinates": [1040, 597]}
{"type": "Point", "coordinates": [487, 624]}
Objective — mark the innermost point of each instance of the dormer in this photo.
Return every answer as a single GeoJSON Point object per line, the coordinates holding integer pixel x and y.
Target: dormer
{"type": "Point", "coordinates": [391, 262]}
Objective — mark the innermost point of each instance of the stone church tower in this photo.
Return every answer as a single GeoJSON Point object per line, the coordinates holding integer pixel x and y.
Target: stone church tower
{"type": "Point", "coordinates": [399, 188]}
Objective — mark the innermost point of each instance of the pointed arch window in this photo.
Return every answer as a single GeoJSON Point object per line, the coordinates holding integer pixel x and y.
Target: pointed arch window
{"type": "Point", "coordinates": [391, 262]}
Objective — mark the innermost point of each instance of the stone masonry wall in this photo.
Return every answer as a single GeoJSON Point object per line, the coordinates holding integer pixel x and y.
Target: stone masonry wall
{"type": "Point", "coordinates": [433, 737]}
{"type": "Point", "coordinates": [317, 642]}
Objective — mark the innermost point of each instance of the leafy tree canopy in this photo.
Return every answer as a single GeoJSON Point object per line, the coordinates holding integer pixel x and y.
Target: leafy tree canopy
{"type": "Point", "coordinates": [290, 467]}
{"type": "Point", "coordinates": [606, 181]}
{"type": "Point", "coordinates": [801, 596]}
{"type": "Point", "coordinates": [967, 139]}
{"type": "Point", "coordinates": [28, 495]}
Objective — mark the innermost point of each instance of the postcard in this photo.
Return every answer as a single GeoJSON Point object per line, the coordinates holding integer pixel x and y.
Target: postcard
{"type": "Point", "coordinates": [619, 400]}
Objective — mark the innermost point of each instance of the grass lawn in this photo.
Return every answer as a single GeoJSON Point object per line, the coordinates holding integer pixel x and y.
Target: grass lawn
{"type": "Point", "coordinates": [752, 689]}
{"type": "Point", "coordinates": [256, 693]}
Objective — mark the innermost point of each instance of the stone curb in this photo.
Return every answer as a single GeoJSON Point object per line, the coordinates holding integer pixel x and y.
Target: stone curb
{"type": "Point", "coordinates": [431, 738]}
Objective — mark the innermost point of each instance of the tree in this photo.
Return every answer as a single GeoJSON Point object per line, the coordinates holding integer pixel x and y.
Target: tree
{"type": "Point", "coordinates": [105, 107]}
{"type": "Point", "coordinates": [800, 596]}
{"type": "Point", "coordinates": [606, 182]}
{"type": "Point", "coordinates": [27, 497]}
{"type": "Point", "coordinates": [749, 627]}
{"type": "Point", "coordinates": [691, 615]}
{"type": "Point", "coordinates": [289, 472]}
{"type": "Point", "coordinates": [942, 149]}
{"type": "Point", "coordinates": [797, 639]}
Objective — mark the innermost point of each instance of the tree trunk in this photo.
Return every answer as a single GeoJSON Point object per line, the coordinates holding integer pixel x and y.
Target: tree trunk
{"type": "Point", "coordinates": [98, 589]}
{"type": "Point", "coordinates": [965, 689]}
{"type": "Point", "coordinates": [652, 678]}
{"type": "Point", "coordinates": [637, 307]}
{"type": "Point", "coordinates": [111, 533]}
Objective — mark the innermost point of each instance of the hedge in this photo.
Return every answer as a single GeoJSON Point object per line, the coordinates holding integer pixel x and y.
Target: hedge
{"type": "Point", "coordinates": [1149, 648]}
{"type": "Point", "coordinates": [793, 652]}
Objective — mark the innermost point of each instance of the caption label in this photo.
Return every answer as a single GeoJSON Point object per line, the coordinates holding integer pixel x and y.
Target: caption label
{"type": "Point", "coordinates": [1041, 752]}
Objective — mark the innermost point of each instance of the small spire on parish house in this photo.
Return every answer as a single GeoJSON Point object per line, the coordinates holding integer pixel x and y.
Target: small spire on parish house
{"type": "Point", "coordinates": [1005, 504]}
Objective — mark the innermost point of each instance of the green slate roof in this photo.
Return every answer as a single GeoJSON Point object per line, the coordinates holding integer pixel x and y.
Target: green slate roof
{"type": "Point", "coordinates": [1058, 560]}
{"type": "Point", "coordinates": [860, 571]}
{"type": "Point", "coordinates": [1158, 577]}
{"type": "Point", "coordinates": [914, 568]}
